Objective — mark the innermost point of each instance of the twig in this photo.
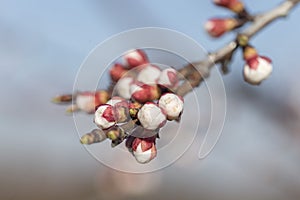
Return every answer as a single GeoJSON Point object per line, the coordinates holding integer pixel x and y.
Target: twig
{"type": "Point", "coordinates": [203, 67]}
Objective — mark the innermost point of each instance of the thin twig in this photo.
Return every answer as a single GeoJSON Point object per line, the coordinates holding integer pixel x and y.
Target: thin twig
{"type": "Point", "coordinates": [203, 67]}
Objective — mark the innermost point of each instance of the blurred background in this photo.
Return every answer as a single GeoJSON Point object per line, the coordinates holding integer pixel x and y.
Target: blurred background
{"type": "Point", "coordinates": [42, 45]}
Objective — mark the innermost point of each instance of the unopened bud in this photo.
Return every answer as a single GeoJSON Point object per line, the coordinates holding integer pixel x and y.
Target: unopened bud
{"type": "Point", "coordinates": [144, 93]}
{"type": "Point", "coordinates": [257, 69]}
{"type": "Point", "coordinates": [104, 116]}
{"type": "Point", "coordinates": [168, 78]}
{"type": "Point", "coordinates": [95, 136]}
{"type": "Point", "coordinates": [149, 74]}
{"type": "Point", "coordinates": [233, 5]}
{"type": "Point", "coordinates": [144, 150]}
{"type": "Point", "coordinates": [117, 72]}
{"type": "Point", "coordinates": [123, 87]}
{"type": "Point", "coordinates": [172, 105]}
{"type": "Point", "coordinates": [88, 101]}
{"type": "Point", "coordinates": [151, 116]}
{"type": "Point", "coordinates": [135, 58]}
{"type": "Point", "coordinates": [217, 27]}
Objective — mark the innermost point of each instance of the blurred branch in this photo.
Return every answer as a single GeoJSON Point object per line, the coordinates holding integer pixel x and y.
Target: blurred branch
{"type": "Point", "coordinates": [203, 68]}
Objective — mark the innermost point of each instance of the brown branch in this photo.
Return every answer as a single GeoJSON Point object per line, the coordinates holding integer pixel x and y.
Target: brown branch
{"type": "Point", "coordinates": [203, 67]}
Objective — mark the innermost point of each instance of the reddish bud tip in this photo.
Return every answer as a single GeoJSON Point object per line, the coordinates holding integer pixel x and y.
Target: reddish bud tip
{"type": "Point", "coordinates": [117, 72]}
{"type": "Point", "coordinates": [135, 58]}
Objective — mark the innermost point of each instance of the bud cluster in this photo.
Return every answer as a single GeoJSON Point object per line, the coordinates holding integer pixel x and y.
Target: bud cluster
{"type": "Point", "coordinates": [143, 101]}
{"type": "Point", "coordinates": [146, 98]}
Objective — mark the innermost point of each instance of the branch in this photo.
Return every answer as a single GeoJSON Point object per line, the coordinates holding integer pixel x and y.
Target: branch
{"type": "Point", "coordinates": [219, 56]}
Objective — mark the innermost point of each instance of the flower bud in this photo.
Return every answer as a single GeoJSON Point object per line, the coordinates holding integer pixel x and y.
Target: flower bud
{"type": "Point", "coordinates": [144, 150]}
{"type": "Point", "coordinates": [93, 137]}
{"type": "Point", "coordinates": [123, 87]}
{"type": "Point", "coordinates": [168, 78]}
{"type": "Point", "coordinates": [104, 116]}
{"type": "Point", "coordinates": [117, 71]}
{"type": "Point", "coordinates": [149, 74]}
{"type": "Point", "coordinates": [172, 105]}
{"type": "Point", "coordinates": [217, 27]}
{"type": "Point", "coordinates": [257, 68]}
{"type": "Point", "coordinates": [151, 116]}
{"type": "Point", "coordinates": [144, 93]}
{"type": "Point", "coordinates": [87, 101]}
{"type": "Point", "coordinates": [233, 5]}
{"type": "Point", "coordinates": [135, 58]}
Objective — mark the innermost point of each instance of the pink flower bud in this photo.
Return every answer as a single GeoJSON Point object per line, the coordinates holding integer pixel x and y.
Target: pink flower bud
{"type": "Point", "coordinates": [104, 116]}
{"type": "Point", "coordinates": [123, 87]}
{"type": "Point", "coordinates": [144, 150]}
{"type": "Point", "coordinates": [149, 74]}
{"type": "Point", "coordinates": [87, 101]}
{"type": "Point", "coordinates": [117, 71]}
{"type": "Point", "coordinates": [168, 78]}
{"type": "Point", "coordinates": [217, 27]}
{"type": "Point", "coordinates": [135, 58]}
{"type": "Point", "coordinates": [233, 5]}
{"type": "Point", "coordinates": [172, 105]}
{"type": "Point", "coordinates": [151, 116]}
{"type": "Point", "coordinates": [144, 93]}
{"type": "Point", "coordinates": [257, 69]}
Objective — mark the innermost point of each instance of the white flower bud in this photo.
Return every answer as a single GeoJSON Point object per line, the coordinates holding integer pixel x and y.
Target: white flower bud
{"type": "Point", "coordinates": [86, 102]}
{"type": "Point", "coordinates": [172, 105]}
{"type": "Point", "coordinates": [149, 74]}
{"type": "Point", "coordinates": [144, 150]}
{"type": "Point", "coordinates": [104, 116]}
{"type": "Point", "coordinates": [135, 58]}
{"type": "Point", "coordinates": [168, 78]}
{"type": "Point", "coordinates": [151, 116]}
{"type": "Point", "coordinates": [257, 69]}
{"type": "Point", "coordinates": [123, 87]}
